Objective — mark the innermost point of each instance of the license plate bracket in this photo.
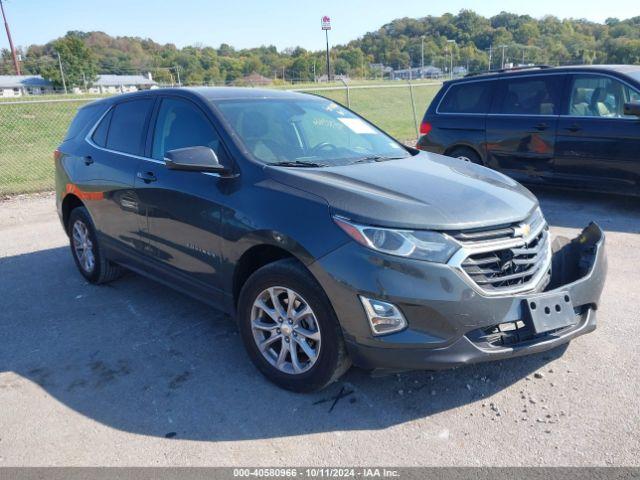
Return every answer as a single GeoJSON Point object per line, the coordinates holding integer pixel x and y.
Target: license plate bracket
{"type": "Point", "coordinates": [550, 311]}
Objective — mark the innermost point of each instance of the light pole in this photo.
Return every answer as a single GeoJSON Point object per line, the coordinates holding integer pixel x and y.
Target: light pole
{"type": "Point", "coordinates": [422, 52]}
{"type": "Point", "coordinates": [451, 61]}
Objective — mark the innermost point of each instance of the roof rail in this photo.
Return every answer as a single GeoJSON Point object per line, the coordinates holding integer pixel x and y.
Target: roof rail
{"type": "Point", "coordinates": [509, 69]}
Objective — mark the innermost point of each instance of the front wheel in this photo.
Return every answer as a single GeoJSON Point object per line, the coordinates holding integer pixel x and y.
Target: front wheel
{"type": "Point", "coordinates": [289, 328]}
{"type": "Point", "coordinates": [466, 154]}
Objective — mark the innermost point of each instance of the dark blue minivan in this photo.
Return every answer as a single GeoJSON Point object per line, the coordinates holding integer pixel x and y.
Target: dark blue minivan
{"type": "Point", "coordinates": [567, 126]}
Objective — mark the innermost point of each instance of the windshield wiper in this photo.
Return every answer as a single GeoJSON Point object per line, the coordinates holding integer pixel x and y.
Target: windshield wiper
{"type": "Point", "coordinates": [298, 163]}
{"type": "Point", "coordinates": [376, 158]}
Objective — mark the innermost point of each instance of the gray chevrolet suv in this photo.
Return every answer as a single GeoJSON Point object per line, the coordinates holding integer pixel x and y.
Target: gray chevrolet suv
{"type": "Point", "coordinates": [327, 240]}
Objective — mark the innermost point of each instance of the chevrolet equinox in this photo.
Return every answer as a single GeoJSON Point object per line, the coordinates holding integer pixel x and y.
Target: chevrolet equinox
{"type": "Point", "coordinates": [329, 242]}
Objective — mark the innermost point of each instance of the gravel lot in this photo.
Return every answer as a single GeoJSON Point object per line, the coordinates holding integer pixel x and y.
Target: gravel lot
{"type": "Point", "coordinates": [135, 374]}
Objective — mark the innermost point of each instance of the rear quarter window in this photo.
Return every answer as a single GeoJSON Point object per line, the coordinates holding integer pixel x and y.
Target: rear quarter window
{"type": "Point", "coordinates": [471, 97]}
{"type": "Point", "coordinates": [84, 119]}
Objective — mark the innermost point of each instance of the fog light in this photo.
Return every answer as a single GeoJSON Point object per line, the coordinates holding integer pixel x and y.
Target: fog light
{"type": "Point", "coordinates": [383, 317]}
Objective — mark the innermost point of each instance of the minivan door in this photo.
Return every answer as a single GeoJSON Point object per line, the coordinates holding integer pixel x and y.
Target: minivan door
{"type": "Point", "coordinates": [521, 125]}
{"type": "Point", "coordinates": [597, 145]}
{"type": "Point", "coordinates": [182, 207]}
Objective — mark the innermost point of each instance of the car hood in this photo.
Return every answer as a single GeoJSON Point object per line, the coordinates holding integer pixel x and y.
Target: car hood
{"type": "Point", "coordinates": [426, 191]}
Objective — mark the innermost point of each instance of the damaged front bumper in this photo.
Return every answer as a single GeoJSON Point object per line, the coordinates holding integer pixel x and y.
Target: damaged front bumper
{"type": "Point", "coordinates": [451, 324]}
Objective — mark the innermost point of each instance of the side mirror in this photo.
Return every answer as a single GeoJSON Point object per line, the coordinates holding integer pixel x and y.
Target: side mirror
{"type": "Point", "coordinates": [194, 159]}
{"type": "Point", "coordinates": [632, 108]}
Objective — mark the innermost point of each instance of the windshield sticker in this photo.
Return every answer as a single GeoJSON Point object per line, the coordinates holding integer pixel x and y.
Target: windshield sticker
{"type": "Point", "coordinates": [357, 126]}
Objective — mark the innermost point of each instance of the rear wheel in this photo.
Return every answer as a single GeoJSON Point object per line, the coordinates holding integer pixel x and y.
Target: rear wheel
{"type": "Point", "coordinates": [466, 154]}
{"type": "Point", "coordinates": [289, 328]}
{"type": "Point", "coordinates": [86, 251]}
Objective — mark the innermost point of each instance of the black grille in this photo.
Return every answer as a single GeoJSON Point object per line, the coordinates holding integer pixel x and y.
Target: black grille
{"type": "Point", "coordinates": [508, 268]}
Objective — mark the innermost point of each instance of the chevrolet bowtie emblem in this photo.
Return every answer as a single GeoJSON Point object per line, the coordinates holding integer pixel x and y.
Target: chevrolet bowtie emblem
{"type": "Point", "coordinates": [522, 230]}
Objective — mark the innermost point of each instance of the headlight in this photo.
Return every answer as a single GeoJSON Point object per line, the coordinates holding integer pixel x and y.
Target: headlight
{"type": "Point", "coordinates": [418, 244]}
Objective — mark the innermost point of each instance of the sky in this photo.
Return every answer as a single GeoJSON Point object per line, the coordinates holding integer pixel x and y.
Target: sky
{"type": "Point", "coordinates": [251, 23]}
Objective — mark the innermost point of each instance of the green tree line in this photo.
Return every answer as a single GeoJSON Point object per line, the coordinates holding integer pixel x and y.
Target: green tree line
{"type": "Point", "coordinates": [475, 42]}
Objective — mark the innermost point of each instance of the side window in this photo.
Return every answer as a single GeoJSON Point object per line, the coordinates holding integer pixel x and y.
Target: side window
{"type": "Point", "coordinates": [599, 96]}
{"type": "Point", "coordinates": [83, 119]}
{"type": "Point", "coordinates": [467, 98]}
{"type": "Point", "coordinates": [530, 96]}
{"type": "Point", "coordinates": [180, 124]}
{"type": "Point", "coordinates": [126, 130]}
{"type": "Point", "coordinates": [100, 133]}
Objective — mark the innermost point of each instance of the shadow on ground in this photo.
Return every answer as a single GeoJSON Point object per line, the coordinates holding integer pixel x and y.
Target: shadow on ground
{"type": "Point", "coordinates": [136, 356]}
{"type": "Point", "coordinates": [573, 209]}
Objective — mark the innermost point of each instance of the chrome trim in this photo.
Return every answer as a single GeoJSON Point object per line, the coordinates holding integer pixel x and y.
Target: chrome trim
{"type": "Point", "coordinates": [491, 246]}
{"type": "Point", "coordinates": [90, 141]}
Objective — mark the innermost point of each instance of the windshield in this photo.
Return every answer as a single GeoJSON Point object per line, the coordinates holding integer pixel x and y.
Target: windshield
{"type": "Point", "coordinates": [307, 132]}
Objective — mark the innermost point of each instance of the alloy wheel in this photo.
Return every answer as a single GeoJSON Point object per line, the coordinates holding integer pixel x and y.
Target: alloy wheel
{"type": "Point", "coordinates": [286, 330]}
{"type": "Point", "coordinates": [83, 246]}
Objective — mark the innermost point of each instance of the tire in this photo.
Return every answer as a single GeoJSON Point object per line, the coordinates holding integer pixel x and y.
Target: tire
{"type": "Point", "coordinates": [82, 238]}
{"type": "Point", "coordinates": [318, 328]}
{"type": "Point", "coordinates": [466, 154]}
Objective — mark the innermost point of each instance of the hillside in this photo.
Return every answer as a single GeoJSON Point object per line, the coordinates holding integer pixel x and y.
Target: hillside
{"type": "Point", "coordinates": [397, 44]}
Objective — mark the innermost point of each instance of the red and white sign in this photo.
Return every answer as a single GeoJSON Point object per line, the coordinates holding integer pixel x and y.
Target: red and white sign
{"type": "Point", "coordinates": [326, 23]}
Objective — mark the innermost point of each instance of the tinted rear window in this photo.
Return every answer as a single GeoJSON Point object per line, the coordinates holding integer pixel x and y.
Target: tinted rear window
{"type": "Point", "coordinates": [529, 96]}
{"type": "Point", "coordinates": [127, 126]}
{"type": "Point", "coordinates": [100, 134]}
{"type": "Point", "coordinates": [466, 98]}
{"type": "Point", "coordinates": [85, 118]}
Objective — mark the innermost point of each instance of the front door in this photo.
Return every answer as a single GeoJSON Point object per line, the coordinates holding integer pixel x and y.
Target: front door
{"type": "Point", "coordinates": [521, 128]}
{"type": "Point", "coordinates": [183, 208]}
{"type": "Point", "coordinates": [597, 145]}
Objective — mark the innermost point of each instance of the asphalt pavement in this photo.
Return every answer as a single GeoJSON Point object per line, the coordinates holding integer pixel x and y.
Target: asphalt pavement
{"type": "Point", "coordinates": [135, 374]}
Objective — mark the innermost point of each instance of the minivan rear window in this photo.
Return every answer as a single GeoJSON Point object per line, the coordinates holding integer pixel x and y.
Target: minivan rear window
{"type": "Point", "coordinates": [128, 126]}
{"type": "Point", "coordinates": [471, 97]}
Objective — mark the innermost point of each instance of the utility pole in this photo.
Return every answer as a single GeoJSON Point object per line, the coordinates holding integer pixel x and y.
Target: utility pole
{"type": "Point", "coordinates": [422, 52]}
{"type": "Point", "coordinates": [177, 67]}
{"type": "Point", "coordinates": [490, 55]}
{"type": "Point", "coordinates": [503, 48]}
{"type": "Point", "coordinates": [64, 84]}
{"type": "Point", "coordinates": [16, 65]}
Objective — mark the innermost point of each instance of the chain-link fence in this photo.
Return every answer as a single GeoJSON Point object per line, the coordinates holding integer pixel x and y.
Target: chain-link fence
{"type": "Point", "coordinates": [30, 130]}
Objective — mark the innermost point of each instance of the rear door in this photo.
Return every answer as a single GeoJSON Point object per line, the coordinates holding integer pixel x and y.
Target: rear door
{"type": "Point", "coordinates": [598, 146]}
{"type": "Point", "coordinates": [183, 208]}
{"type": "Point", "coordinates": [521, 127]}
{"type": "Point", "coordinates": [118, 142]}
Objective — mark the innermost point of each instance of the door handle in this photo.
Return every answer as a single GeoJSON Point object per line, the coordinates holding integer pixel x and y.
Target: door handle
{"type": "Point", "coordinates": [147, 177]}
{"type": "Point", "coordinates": [88, 160]}
{"type": "Point", "coordinates": [541, 126]}
{"type": "Point", "coordinates": [574, 128]}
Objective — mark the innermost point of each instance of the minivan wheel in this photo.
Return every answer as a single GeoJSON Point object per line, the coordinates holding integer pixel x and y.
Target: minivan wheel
{"type": "Point", "coordinates": [466, 154]}
{"type": "Point", "coordinates": [86, 251]}
{"type": "Point", "coordinates": [289, 328]}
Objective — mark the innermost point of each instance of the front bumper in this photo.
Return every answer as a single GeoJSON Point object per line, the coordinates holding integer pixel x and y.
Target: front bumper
{"type": "Point", "coordinates": [449, 322]}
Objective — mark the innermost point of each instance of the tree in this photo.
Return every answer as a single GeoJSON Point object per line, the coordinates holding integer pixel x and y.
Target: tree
{"type": "Point", "coordinates": [78, 62]}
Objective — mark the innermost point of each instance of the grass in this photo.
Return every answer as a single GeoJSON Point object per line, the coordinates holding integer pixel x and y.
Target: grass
{"type": "Point", "coordinates": [30, 132]}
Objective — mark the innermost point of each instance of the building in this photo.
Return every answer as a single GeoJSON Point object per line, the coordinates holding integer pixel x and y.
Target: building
{"type": "Point", "coordinates": [416, 73]}
{"type": "Point", "coordinates": [19, 85]}
{"type": "Point", "coordinates": [122, 83]}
